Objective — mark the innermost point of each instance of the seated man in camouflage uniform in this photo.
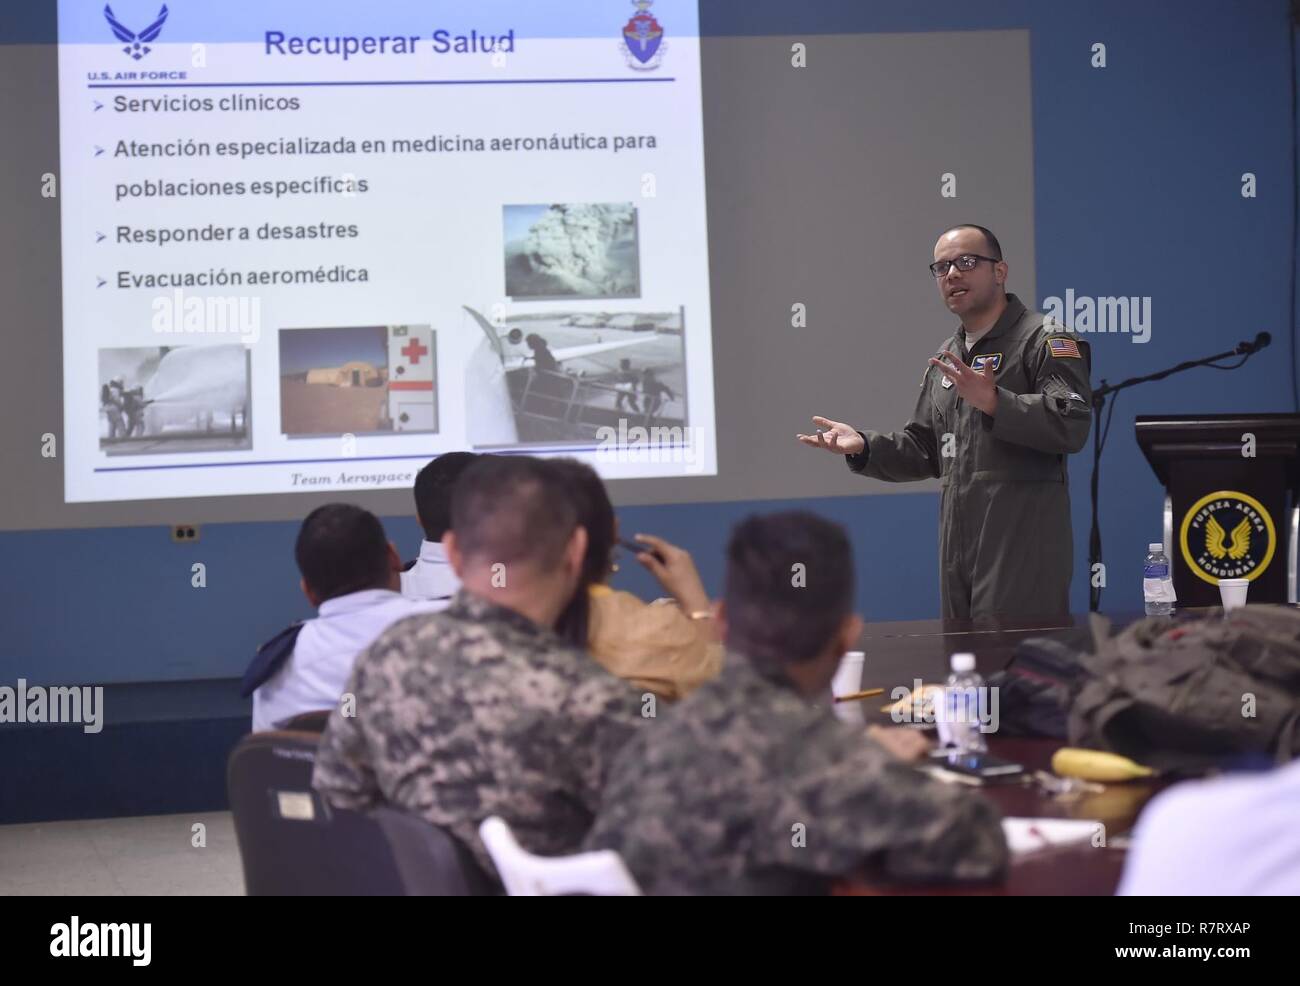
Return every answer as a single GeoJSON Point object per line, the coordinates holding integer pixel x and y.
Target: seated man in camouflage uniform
{"type": "Point", "coordinates": [481, 709]}
{"type": "Point", "coordinates": [750, 785]}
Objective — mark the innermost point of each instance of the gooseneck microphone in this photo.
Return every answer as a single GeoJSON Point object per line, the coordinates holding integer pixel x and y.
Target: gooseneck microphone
{"type": "Point", "coordinates": [1261, 340]}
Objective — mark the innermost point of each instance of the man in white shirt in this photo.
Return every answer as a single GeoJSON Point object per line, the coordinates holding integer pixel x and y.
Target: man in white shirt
{"type": "Point", "coordinates": [1232, 836]}
{"type": "Point", "coordinates": [431, 576]}
{"type": "Point", "coordinates": [350, 574]}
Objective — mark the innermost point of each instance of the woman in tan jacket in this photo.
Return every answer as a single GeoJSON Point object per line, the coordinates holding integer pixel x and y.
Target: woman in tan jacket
{"type": "Point", "coordinates": [667, 647]}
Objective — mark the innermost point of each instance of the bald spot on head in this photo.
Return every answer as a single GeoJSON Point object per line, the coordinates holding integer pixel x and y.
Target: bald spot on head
{"type": "Point", "coordinates": [967, 238]}
{"type": "Point", "coordinates": [513, 509]}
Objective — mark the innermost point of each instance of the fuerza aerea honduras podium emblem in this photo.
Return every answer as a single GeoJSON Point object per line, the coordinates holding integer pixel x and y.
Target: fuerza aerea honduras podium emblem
{"type": "Point", "coordinates": [1227, 535]}
{"type": "Point", "coordinates": [643, 38]}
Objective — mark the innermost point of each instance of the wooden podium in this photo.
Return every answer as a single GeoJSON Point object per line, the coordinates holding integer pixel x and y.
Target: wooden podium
{"type": "Point", "coordinates": [1232, 487]}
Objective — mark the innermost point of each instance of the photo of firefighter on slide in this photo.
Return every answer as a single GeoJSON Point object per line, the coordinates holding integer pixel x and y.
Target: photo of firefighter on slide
{"type": "Point", "coordinates": [173, 399]}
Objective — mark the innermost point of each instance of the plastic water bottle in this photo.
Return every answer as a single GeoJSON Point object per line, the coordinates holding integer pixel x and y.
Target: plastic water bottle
{"type": "Point", "coordinates": [959, 724]}
{"type": "Point", "coordinates": [1157, 585]}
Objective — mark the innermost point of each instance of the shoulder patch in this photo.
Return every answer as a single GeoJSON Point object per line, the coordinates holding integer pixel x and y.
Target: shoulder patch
{"type": "Point", "coordinates": [1063, 347]}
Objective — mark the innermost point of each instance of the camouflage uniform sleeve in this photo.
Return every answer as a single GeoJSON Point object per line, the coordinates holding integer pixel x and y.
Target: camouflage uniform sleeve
{"type": "Point", "coordinates": [869, 810]}
{"type": "Point", "coordinates": [1056, 414]}
{"type": "Point", "coordinates": [344, 773]}
{"type": "Point", "coordinates": [906, 455]}
{"type": "Point", "coordinates": [604, 711]}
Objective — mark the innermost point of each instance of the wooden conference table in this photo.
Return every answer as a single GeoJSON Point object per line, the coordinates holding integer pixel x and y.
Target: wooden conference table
{"type": "Point", "coordinates": [898, 653]}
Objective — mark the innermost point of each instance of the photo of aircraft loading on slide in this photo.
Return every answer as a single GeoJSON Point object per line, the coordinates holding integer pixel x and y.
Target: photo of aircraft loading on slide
{"type": "Point", "coordinates": [562, 376]}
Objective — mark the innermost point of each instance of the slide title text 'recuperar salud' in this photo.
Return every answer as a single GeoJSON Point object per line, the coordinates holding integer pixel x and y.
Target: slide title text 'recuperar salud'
{"type": "Point", "coordinates": [440, 42]}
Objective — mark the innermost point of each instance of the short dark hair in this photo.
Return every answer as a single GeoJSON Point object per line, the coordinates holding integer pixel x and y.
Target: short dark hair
{"type": "Point", "coordinates": [433, 486]}
{"type": "Point", "coordinates": [991, 241]}
{"type": "Point", "coordinates": [507, 508]}
{"type": "Point", "coordinates": [342, 548]}
{"type": "Point", "coordinates": [774, 617]}
{"type": "Point", "coordinates": [596, 515]}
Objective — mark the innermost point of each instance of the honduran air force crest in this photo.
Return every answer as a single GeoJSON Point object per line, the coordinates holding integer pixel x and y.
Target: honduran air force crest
{"type": "Point", "coordinates": [643, 38]}
{"type": "Point", "coordinates": [1227, 535]}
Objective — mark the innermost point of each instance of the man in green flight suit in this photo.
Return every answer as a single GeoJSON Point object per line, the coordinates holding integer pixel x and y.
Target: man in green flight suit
{"type": "Point", "coordinates": [1002, 404]}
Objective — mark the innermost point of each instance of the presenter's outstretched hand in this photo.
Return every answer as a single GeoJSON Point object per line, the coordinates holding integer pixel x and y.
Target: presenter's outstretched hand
{"type": "Point", "coordinates": [834, 436]}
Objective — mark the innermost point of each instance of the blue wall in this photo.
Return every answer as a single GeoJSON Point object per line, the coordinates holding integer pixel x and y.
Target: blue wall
{"type": "Point", "coordinates": [116, 605]}
{"type": "Point", "coordinates": [1136, 192]}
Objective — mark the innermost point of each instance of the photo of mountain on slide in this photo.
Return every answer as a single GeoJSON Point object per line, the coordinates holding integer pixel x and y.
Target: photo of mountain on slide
{"type": "Point", "coordinates": [572, 251]}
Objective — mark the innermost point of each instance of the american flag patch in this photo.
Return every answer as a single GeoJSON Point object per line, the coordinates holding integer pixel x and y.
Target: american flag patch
{"type": "Point", "coordinates": [1064, 347]}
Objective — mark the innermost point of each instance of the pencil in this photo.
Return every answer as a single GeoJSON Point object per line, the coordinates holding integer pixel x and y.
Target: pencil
{"type": "Point", "coordinates": [854, 696]}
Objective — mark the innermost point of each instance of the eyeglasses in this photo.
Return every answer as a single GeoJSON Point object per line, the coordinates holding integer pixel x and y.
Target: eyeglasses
{"type": "Point", "coordinates": [966, 261]}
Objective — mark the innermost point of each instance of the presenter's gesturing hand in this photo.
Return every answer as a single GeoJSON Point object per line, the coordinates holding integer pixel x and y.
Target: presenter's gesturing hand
{"type": "Point", "coordinates": [975, 387]}
{"type": "Point", "coordinates": [834, 436]}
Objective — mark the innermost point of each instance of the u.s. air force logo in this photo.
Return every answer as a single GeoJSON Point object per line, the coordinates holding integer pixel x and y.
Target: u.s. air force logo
{"type": "Point", "coordinates": [136, 42]}
{"type": "Point", "coordinates": [1227, 535]}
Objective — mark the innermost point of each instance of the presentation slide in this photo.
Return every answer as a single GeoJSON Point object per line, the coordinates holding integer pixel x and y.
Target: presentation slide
{"type": "Point", "coordinates": [308, 247]}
